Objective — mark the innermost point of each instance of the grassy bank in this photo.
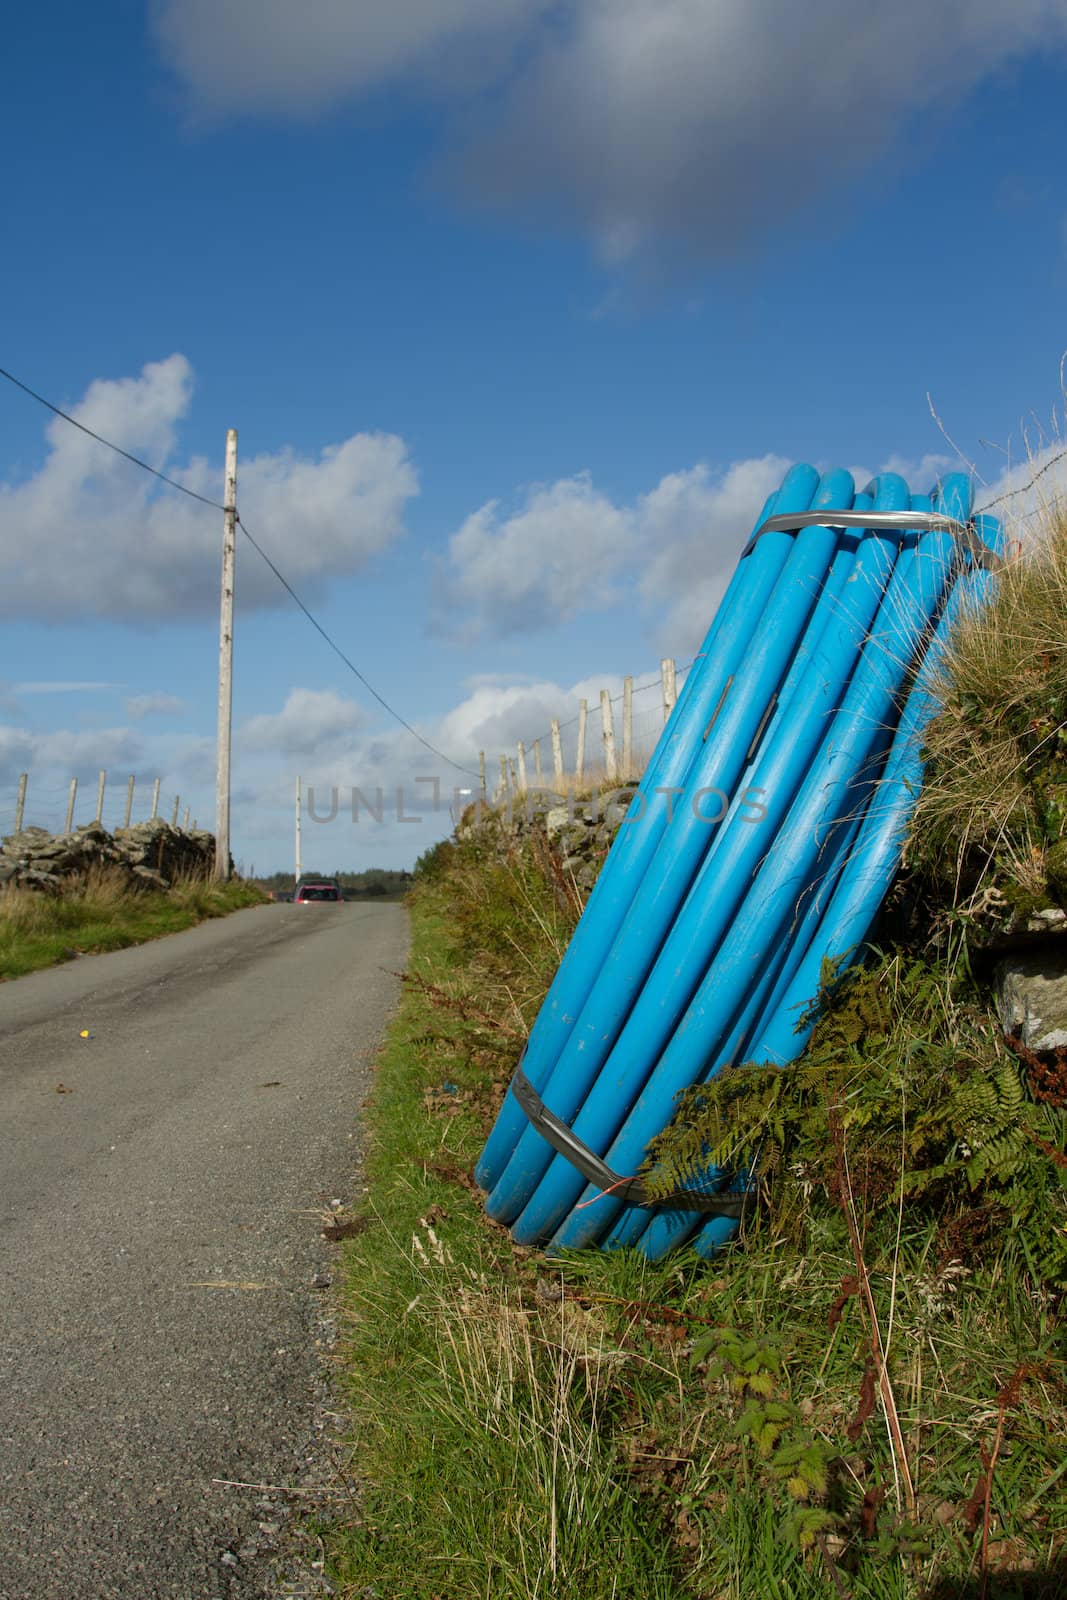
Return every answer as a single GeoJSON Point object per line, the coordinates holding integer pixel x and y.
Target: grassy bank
{"type": "Point", "coordinates": [865, 1397]}
{"type": "Point", "coordinates": [98, 913]}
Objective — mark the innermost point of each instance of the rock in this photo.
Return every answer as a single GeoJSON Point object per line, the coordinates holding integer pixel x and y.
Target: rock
{"type": "Point", "coordinates": [31, 879]}
{"type": "Point", "coordinates": [148, 879]}
{"type": "Point", "coordinates": [1043, 921]}
{"type": "Point", "coordinates": [556, 819]}
{"type": "Point", "coordinates": [613, 804]}
{"type": "Point", "coordinates": [1031, 996]}
{"type": "Point", "coordinates": [24, 843]}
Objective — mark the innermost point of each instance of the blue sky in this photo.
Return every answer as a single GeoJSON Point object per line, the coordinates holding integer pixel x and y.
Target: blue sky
{"type": "Point", "coordinates": [520, 307]}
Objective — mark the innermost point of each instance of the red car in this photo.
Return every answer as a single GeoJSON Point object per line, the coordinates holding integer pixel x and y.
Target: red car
{"type": "Point", "coordinates": [314, 892]}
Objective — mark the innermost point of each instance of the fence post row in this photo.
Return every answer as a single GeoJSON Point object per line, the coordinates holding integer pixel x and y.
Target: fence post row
{"type": "Point", "coordinates": [124, 809]}
{"type": "Point", "coordinates": [514, 773]}
{"type": "Point", "coordinates": [611, 766]}
{"type": "Point", "coordinates": [557, 753]}
{"type": "Point", "coordinates": [670, 685]}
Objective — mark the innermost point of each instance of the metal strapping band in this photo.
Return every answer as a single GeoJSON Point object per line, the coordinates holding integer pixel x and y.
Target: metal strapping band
{"type": "Point", "coordinates": [964, 533]}
{"type": "Point", "coordinates": [633, 1190]}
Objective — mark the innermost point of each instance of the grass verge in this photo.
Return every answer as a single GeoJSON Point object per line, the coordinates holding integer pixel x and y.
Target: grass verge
{"type": "Point", "coordinates": [861, 1399]}
{"type": "Point", "coordinates": [98, 913]}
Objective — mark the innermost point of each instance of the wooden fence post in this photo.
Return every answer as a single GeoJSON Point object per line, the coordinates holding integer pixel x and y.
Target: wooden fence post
{"type": "Point", "coordinates": [670, 685]}
{"type": "Point", "coordinates": [185, 821]}
{"type": "Point", "coordinates": [521, 748]}
{"type": "Point", "coordinates": [557, 753]}
{"type": "Point", "coordinates": [20, 803]}
{"type": "Point", "coordinates": [627, 729]}
{"type": "Point", "coordinates": [155, 800]}
{"type": "Point", "coordinates": [481, 776]}
{"type": "Point", "coordinates": [579, 760]}
{"type": "Point", "coordinates": [539, 776]}
{"type": "Point", "coordinates": [608, 721]}
{"type": "Point", "coordinates": [68, 825]}
{"type": "Point", "coordinates": [129, 801]}
{"type": "Point", "coordinates": [174, 813]}
{"type": "Point", "coordinates": [100, 797]}
{"type": "Point", "coordinates": [502, 793]}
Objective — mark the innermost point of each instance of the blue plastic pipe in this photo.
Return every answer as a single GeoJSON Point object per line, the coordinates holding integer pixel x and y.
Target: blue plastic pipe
{"type": "Point", "coordinates": [911, 603]}
{"type": "Point", "coordinates": [736, 620]}
{"type": "Point", "coordinates": [725, 876]}
{"type": "Point", "coordinates": [720, 762]}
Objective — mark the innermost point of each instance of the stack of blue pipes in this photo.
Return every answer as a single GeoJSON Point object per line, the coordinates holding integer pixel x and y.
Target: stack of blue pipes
{"type": "Point", "coordinates": [760, 843]}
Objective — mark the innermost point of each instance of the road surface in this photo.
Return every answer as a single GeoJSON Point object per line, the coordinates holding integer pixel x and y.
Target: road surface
{"type": "Point", "coordinates": [161, 1190]}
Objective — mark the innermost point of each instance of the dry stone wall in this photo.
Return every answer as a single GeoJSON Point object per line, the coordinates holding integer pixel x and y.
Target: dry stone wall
{"type": "Point", "coordinates": [151, 855]}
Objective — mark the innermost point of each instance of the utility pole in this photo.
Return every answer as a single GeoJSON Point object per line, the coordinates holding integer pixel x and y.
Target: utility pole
{"type": "Point", "coordinates": [299, 863]}
{"type": "Point", "coordinates": [222, 760]}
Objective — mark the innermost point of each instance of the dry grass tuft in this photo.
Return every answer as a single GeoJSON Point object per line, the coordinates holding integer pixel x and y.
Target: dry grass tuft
{"type": "Point", "coordinates": [994, 798]}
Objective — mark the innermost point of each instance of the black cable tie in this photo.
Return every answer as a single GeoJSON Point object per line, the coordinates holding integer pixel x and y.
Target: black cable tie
{"type": "Point", "coordinates": [634, 1191]}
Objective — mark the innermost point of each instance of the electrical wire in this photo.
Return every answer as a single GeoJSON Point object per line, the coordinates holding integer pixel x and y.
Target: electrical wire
{"type": "Point", "coordinates": [286, 585]}
{"type": "Point", "coordinates": [162, 476]}
{"type": "Point", "coordinates": [336, 648]}
{"type": "Point", "coordinates": [217, 505]}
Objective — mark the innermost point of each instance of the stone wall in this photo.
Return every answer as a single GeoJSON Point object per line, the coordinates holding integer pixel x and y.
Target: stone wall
{"type": "Point", "coordinates": [581, 830]}
{"type": "Point", "coordinates": [150, 855]}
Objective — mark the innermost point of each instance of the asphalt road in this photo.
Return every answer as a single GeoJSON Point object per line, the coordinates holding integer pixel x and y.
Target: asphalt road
{"type": "Point", "coordinates": [160, 1237]}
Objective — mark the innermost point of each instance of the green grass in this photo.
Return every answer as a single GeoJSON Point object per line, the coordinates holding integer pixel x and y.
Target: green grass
{"type": "Point", "coordinates": [600, 1426]}
{"type": "Point", "coordinates": [98, 913]}
{"type": "Point", "coordinates": [484, 1426]}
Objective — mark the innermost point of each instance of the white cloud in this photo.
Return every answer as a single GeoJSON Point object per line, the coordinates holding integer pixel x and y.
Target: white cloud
{"type": "Point", "coordinates": [90, 535]}
{"type": "Point", "coordinates": [269, 54]}
{"type": "Point", "coordinates": [1028, 494]}
{"type": "Point", "coordinates": [705, 122]}
{"type": "Point", "coordinates": [65, 754]}
{"type": "Point", "coordinates": [560, 553]}
{"type": "Point", "coordinates": [157, 704]}
{"type": "Point", "coordinates": [71, 686]}
{"type": "Point", "coordinates": [313, 722]}
{"type": "Point", "coordinates": [694, 525]}
{"type": "Point", "coordinates": [569, 548]}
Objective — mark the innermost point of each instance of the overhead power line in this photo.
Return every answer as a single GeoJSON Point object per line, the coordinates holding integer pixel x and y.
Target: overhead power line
{"type": "Point", "coordinates": [336, 648]}
{"type": "Point", "coordinates": [217, 505]}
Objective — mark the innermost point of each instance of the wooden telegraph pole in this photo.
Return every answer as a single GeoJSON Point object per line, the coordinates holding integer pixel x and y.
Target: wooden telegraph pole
{"type": "Point", "coordinates": [299, 865]}
{"type": "Point", "coordinates": [222, 760]}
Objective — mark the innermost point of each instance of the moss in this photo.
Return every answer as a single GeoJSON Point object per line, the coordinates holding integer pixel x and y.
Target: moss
{"type": "Point", "coordinates": [1056, 872]}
